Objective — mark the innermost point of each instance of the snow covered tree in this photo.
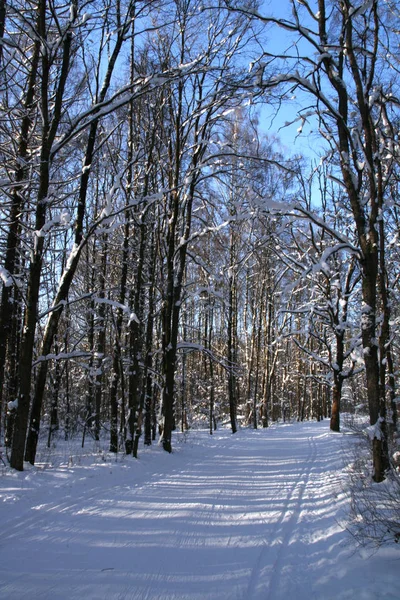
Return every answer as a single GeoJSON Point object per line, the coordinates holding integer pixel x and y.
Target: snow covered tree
{"type": "Point", "coordinates": [66, 51]}
{"type": "Point", "coordinates": [208, 39]}
{"type": "Point", "coordinates": [341, 67]}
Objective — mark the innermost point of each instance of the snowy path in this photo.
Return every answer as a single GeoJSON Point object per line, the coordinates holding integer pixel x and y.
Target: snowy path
{"type": "Point", "coordinates": [252, 517]}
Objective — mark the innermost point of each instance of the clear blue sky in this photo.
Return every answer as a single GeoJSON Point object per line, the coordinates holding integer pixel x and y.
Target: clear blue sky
{"type": "Point", "coordinates": [278, 41]}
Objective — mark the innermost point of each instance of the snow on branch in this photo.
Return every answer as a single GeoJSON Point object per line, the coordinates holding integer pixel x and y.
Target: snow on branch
{"type": "Point", "coordinates": [114, 304]}
{"type": "Point", "coordinates": [6, 277]}
{"type": "Point", "coordinates": [296, 210]}
{"type": "Point", "coordinates": [192, 347]}
{"type": "Point", "coordinates": [124, 95]}
{"type": "Point", "coordinates": [62, 356]}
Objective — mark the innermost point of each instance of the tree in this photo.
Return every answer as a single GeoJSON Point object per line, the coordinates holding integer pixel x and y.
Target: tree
{"type": "Point", "coordinates": [50, 124]}
{"type": "Point", "coordinates": [63, 124]}
{"type": "Point", "coordinates": [195, 104]}
{"type": "Point", "coordinates": [340, 68]}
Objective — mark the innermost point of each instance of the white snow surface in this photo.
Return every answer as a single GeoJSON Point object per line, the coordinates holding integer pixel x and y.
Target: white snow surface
{"type": "Point", "coordinates": [253, 516]}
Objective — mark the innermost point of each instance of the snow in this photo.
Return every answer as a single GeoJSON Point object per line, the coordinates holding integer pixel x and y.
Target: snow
{"type": "Point", "coordinates": [63, 218]}
{"type": "Point", "coordinates": [5, 277]}
{"type": "Point", "coordinates": [254, 516]}
{"type": "Point", "coordinates": [375, 431]}
{"type": "Point", "coordinates": [12, 404]}
{"type": "Point", "coordinates": [361, 10]}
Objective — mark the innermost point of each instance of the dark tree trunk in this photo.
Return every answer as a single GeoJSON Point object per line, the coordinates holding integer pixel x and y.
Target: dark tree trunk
{"type": "Point", "coordinates": [148, 365]}
{"type": "Point", "coordinates": [116, 364]}
{"type": "Point", "coordinates": [35, 270]}
{"type": "Point", "coordinates": [336, 398]}
{"type": "Point", "coordinates": [232, 359]}
{"type": "Point", "coordinates": [100, 343]}
{"type": "Point", "coordinates": [53, 421]}
{"type": "Point", "coordinates": [88, 414]}
{"type": "Point", "coordinates": [8, 303]}
{"type": "Point", "coordinates": [12, 368]}
{"type": "Point", "coordinates": [49, 131]}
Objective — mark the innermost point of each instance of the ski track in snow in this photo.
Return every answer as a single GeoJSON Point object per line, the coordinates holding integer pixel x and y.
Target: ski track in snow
{"type": "Point", "coordinates": [281, 534]}
{"type": "Point", "coordinates": [254, 516]}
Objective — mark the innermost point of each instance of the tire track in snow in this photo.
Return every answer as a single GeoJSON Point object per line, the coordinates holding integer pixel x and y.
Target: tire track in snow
{"type": "Point", "coordinates": [284, 527]}
{"type": "Point", "coordinates": [293, 521]}
{"type": "Point", "coordinates": [38, 515]}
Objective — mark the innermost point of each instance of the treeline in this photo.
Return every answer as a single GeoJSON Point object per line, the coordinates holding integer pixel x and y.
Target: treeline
{"type": "Point", "coordinates": [164, 261]}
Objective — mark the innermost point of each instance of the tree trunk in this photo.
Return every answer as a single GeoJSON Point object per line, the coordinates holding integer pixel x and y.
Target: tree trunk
{"type": "Point", "coordinates": [231, 356]}
{"type": "Point", "coordinates": [100, 343]}
{"type": "Point", "coordinates": [35, 270]}
{"type": "Point", "coordinates": [53, 421]}
{"type": "Point", "coordinates": [13, 242]}
{"type": "Point", "coordinates": [116, 364]}
{"type": "Point", "coordinates": [148, 365]}
{"type": "Point", "coordinates": [336, 397]}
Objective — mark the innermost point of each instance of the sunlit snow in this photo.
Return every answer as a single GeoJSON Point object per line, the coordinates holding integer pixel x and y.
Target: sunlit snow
{"type": "Point", "coordinates": [254, 516]}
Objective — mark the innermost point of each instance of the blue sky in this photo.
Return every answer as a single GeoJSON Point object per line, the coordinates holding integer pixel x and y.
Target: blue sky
{"type": "Point", "coordinates": [279, 41]}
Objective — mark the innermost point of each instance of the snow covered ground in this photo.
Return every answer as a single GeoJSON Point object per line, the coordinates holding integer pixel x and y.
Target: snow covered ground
{"type": "Point", "coordinates": [254, 516]}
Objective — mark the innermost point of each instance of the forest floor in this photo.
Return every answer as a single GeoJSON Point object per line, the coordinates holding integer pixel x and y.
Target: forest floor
{"type": "Point", "coordinates": [255, 516]}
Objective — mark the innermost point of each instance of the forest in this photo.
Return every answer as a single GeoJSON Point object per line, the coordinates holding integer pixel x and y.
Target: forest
{"type": "Point", "coordinates": [169, 257]}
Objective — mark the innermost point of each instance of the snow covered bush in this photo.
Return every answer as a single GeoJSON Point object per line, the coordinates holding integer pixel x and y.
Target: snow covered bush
{"type": "Point", "coordinates": [374, 518]}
